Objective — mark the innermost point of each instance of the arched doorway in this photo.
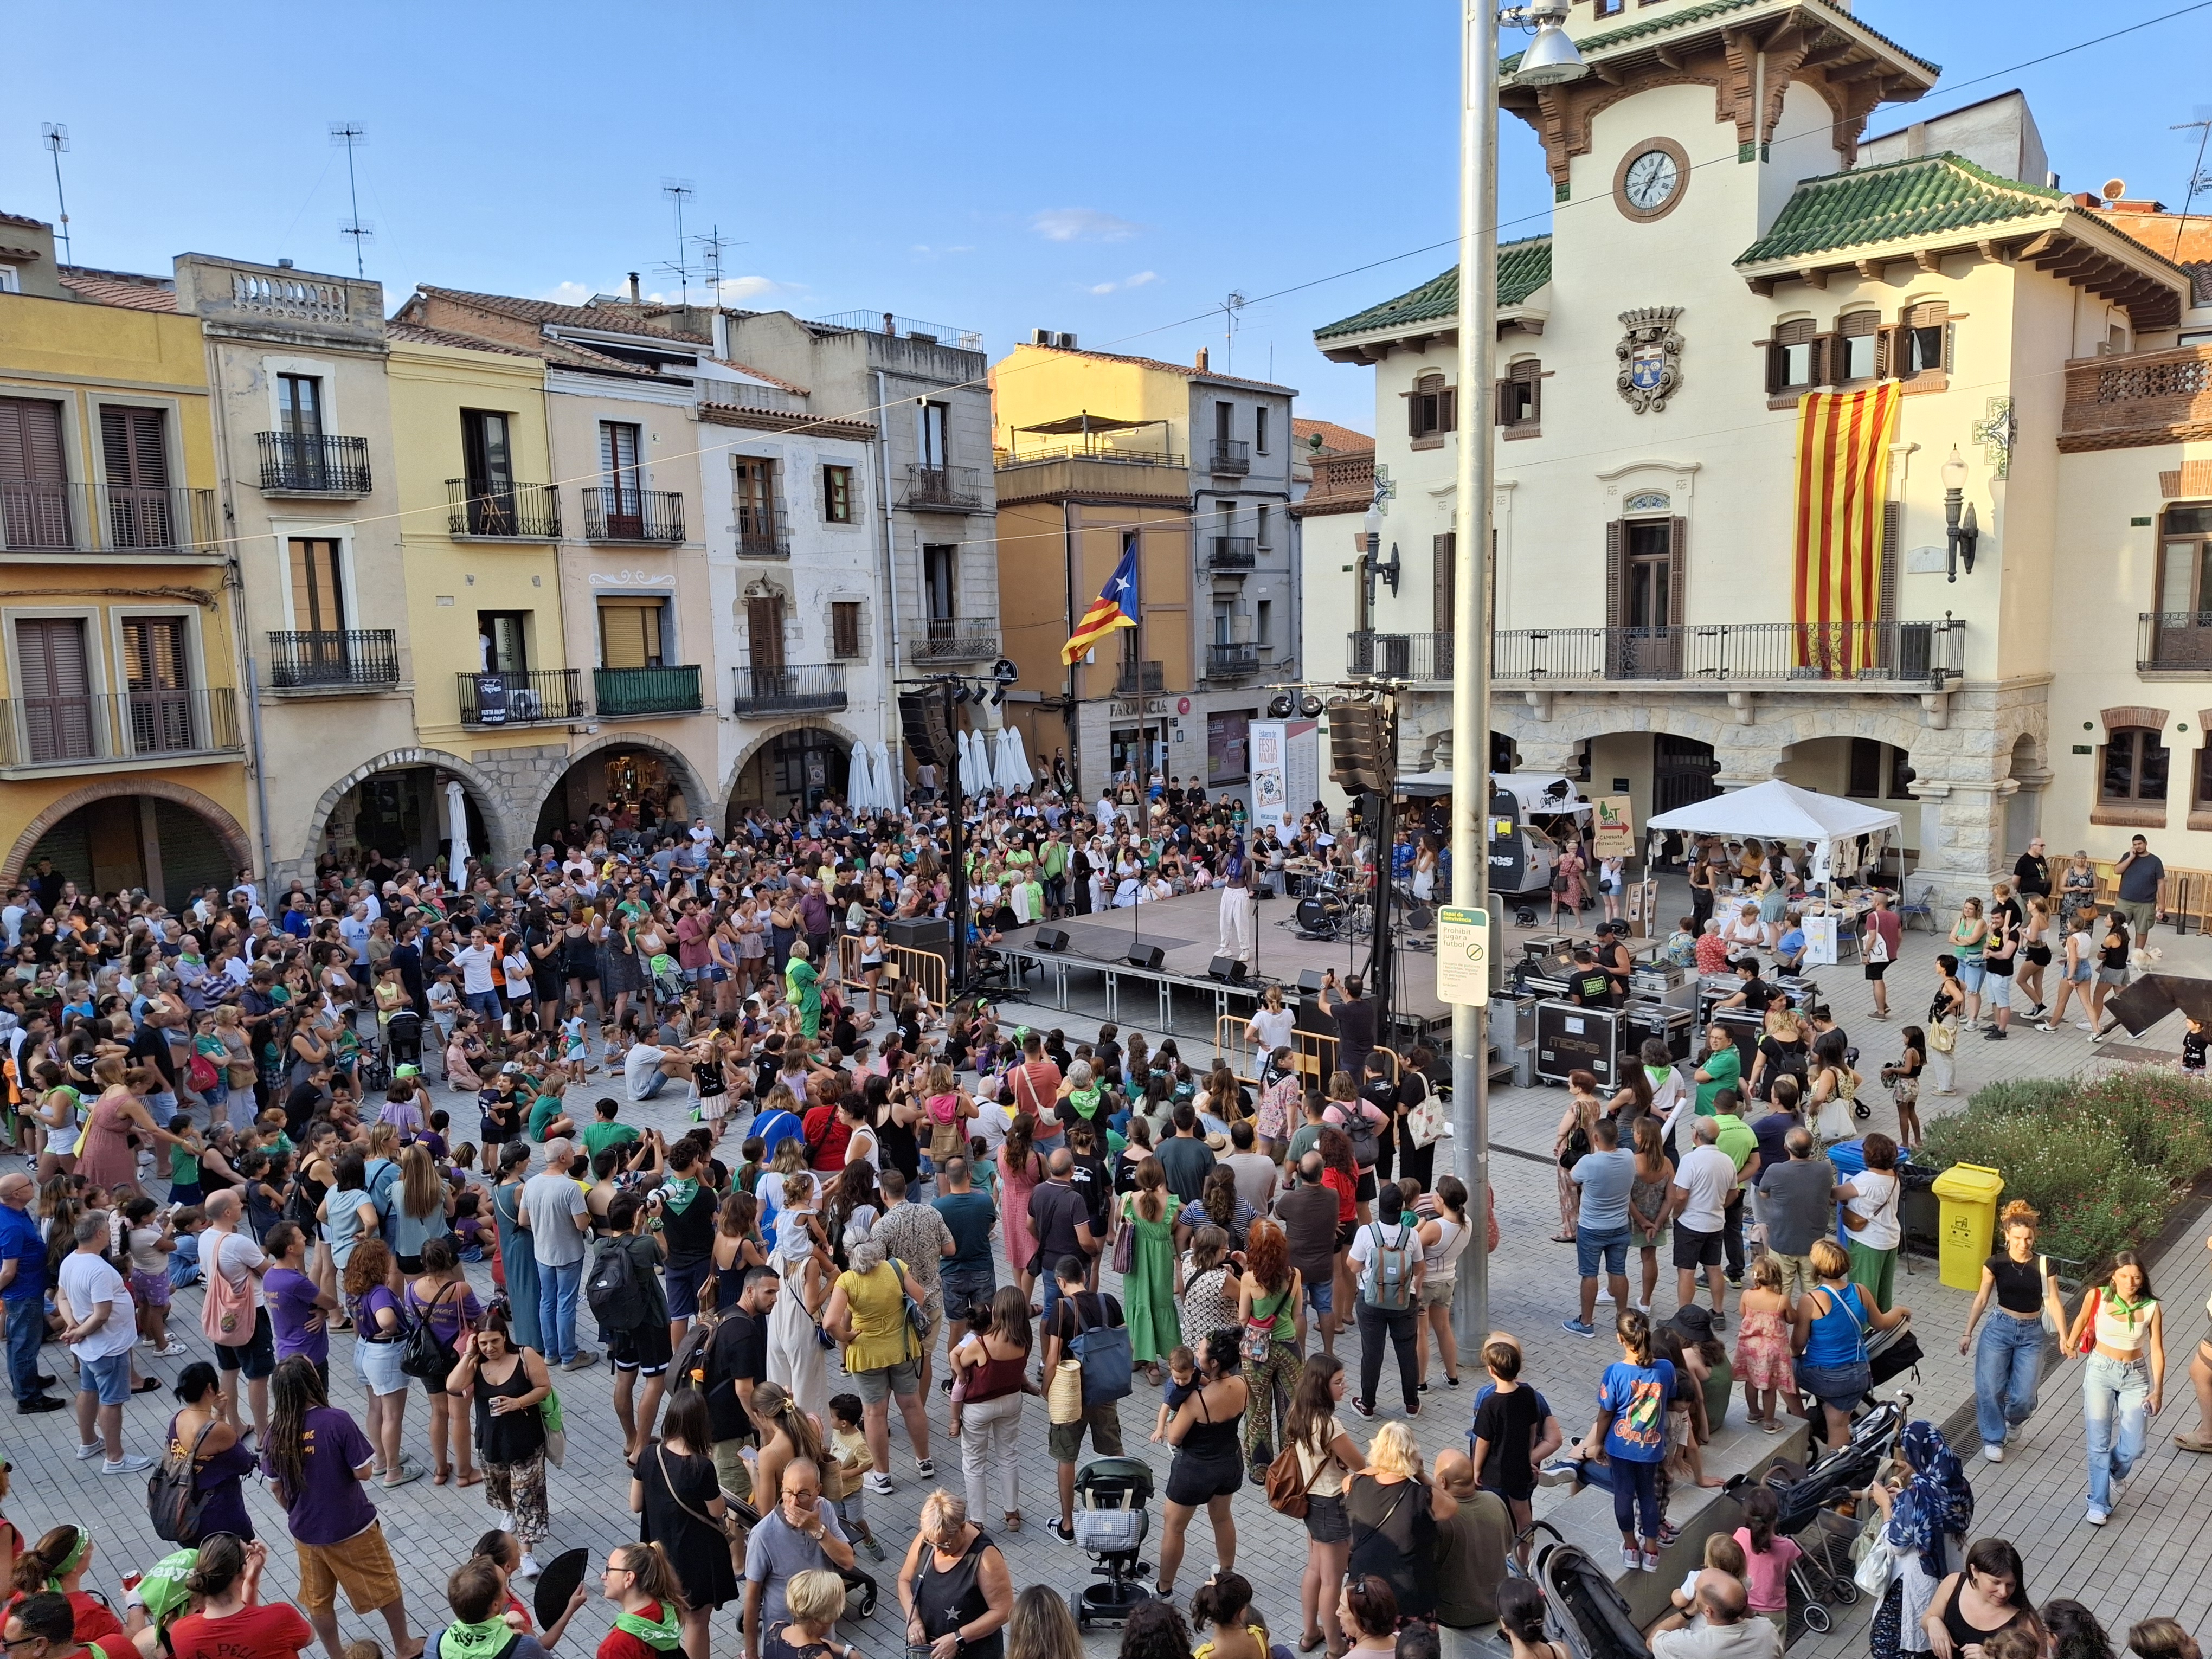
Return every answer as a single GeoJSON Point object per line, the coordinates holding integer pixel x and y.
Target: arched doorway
{"type": "Point", "coordinates": [399, 806]}
{"type": "Point", "coordinates": [638, 782]}
{"type": "Point", "coordinates": [791, 768]}
{"type": "Point", "coordinates": [168, 840]}
{"type": "Point", "coordinates": [2024, 806]}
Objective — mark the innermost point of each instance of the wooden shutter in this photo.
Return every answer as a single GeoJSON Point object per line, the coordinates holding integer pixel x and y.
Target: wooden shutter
{"type": "Point", "coordinates": [1448, 408]}
{"type": "Point", "coordinates": [1616, 561]}
{"type": "Point", "coordinates": [1444, 556]}
{"type": "Point", "coordinates": [845, 629]}
{"type": "Point", "coordinates": [1774, 361]}
{"type": "Point", "coordinates": [764, 632]}
{"type": "Point", "coordinates": [317, 587]}
{"type": "Point", "coordinates": [1886, 583]}
{"type": "Point", "coordinates": [1501, 402]}
{"type": "Point", "coordinates": [56, 681]}
{"type": "Point", "coordinates": [1824, 357]}
{"type": "Point", "coordinates": [1678, 572]}
{"type": "Point", "coordinates": [130, 443]}
{"type": "Point", "coordinates": [1414, 412]}
{"type": "Point", "coordinates": [31, 442]}
{"type": "Point", "coordinates": [153, 651]}
{"type": "Point", "coordinates": [1528, 373]}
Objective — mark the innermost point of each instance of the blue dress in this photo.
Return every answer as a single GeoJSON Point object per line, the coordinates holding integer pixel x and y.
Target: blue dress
{"type": "Point", "coordinates": [520, 1264]}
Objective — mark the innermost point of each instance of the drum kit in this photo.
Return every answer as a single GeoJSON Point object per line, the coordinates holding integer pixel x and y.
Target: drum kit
{"type": "Point", "coordinates": [1329, 911]}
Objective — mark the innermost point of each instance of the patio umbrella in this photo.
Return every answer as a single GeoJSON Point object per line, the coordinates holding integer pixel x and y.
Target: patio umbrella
{"type": "Point", "coordinates": [456, 814]}
{"type": "Point", "coordinates": [860, 782]}
{"type": "Point", "coordinates": [981, 746]}
{"type": "Point", "coordinates": [890, 779]}
{"type": "Point", "coordinates": [1013, 767]}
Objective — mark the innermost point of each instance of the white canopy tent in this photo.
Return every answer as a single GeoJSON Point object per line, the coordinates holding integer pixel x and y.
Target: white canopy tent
{"type": "Point", "coordinates": [1779, 811]}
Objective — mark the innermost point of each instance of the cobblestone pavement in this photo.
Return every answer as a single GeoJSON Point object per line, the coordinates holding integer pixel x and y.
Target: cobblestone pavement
{"type": "Point", "coordinates": [2152, 1558]}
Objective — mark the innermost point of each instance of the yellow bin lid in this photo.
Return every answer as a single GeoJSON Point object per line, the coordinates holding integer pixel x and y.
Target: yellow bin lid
{"type": "Point", "coordinates": [1971, 1182]}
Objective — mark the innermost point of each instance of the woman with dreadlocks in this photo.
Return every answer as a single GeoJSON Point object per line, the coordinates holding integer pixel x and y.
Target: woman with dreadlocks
{"type": "Point", "coordinates": [316, 1460]}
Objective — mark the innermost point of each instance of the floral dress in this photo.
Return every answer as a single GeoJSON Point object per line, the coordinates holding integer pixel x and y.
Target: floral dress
{"type": "Point", "coordinates": [1148, 1288]}
{"type": "Point", "coordinates": [1014, 1190]}
{"type": "Point", "coordinates": [1762, 1351]}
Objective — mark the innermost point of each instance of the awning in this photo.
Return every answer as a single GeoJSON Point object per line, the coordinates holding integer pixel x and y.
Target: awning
{"type": "Point", "coordinates": [1775, 810]}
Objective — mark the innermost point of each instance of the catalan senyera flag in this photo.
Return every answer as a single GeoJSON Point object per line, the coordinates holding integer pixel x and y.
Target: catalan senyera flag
{"type": "Point", "coordinates": [1115, 607]}
{"type": "Point", "coordinates": [1843, 468]}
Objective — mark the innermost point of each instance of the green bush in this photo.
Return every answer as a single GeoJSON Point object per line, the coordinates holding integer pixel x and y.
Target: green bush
{"type": "Point", "coordinates": [2102, 1161]}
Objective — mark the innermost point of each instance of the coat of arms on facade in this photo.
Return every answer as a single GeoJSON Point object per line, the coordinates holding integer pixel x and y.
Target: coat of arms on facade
{"type": "Point", "coordinates": [1651, 354]}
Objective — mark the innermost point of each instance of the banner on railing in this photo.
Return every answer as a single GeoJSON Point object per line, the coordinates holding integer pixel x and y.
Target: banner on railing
{"type": "Point", "coordinates": [1843, 471]}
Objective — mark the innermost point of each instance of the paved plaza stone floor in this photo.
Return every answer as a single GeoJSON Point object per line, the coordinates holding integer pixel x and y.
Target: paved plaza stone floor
{"type": "Point", "coordinates": [2153, 1557]}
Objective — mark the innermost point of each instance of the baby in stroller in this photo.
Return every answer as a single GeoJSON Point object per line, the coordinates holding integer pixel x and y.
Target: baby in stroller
{"type": "Point", "coordinates": [1111, 1525]}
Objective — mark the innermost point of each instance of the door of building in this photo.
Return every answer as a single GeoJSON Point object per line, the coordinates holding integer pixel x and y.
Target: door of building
{"type": "Point", "coordinates": [137, 464]}
{"type": "Point", "coordinates": [154, 650]}
{"type": "Point", "coordinates": [56, 674]}
{"type": "Point", "coordinates": [35, 504]}
{"type": "Point", "coordinates": [1681, 773]}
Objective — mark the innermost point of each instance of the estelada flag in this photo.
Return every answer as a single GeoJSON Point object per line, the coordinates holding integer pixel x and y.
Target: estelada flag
{"type": "Point", "coordinates": [1115, 607]}
{"type": "Point", "coordinates": [1843, 471]}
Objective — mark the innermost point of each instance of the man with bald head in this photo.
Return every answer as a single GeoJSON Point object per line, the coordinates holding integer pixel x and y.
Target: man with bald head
{"type": "Point", "coordinates": [1730, 1631]}
{"type": "Point", "coordinates": [1471, 1547]}
{"type": "Point", "coordinates": [799, 1535]}
{"type": "Point", "coordinates": [1060, 1218]}
{"type": "Point", "coordinates": [23, 1294]}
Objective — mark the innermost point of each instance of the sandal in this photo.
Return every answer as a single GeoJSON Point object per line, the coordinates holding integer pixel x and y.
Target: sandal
{"type": "Point", "coordinates": [2194, 1443]}
{"type": "Point", "coordinates": [147, 1385]}
{"type": "Point", "coordinates": [1562, 1238]}
{"type": "Point", "coordinates": [1013, 1520]}
{"type": "Point", "coordinates": [444, 1476]}
{"type": "Point", "coordinates": [470, 1478]}
{"type": "Point", "coordinates": [1309, 1643]}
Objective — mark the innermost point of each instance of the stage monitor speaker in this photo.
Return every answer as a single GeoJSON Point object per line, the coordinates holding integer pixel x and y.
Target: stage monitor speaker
{"type": "Point", "coordinates": [1051, 938]}
{"type": "Point", "coordinates": [1309, 981]}
{"type": "Point", "coordinates": [921, 716]}
{"type": "Point", "coordinates": [1230, 971]}
{"type": "Point", "coordinates": [931, 933]}
{"type": "Point", "coordinates": [1147, 956]}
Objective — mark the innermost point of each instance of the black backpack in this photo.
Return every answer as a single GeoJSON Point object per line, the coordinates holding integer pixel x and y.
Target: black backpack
{"type": "Point", "coordinates": [612, 1293]}
{"type": "Point", "coordinates": [427, 1355]}
{"type": "Point", "coordinates": [173, 1503]}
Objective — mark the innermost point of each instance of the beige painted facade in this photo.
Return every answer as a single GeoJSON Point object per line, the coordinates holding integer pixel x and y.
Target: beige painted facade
{"type": "Point", "coordinates": [1643, 588]}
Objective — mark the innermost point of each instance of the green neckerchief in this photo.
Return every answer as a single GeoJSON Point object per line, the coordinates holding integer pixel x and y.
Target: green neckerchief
{"type": "Point", "coordinates": [678, 1192]}
{"type": "Point", "coordinates": [2129, 1310]}
{"type": "Point", "coordinates": [1085, 1101]}
{"type": "Point", "coordinates": [662, 1637]}
{"type": "Point", "coordinates": [483, 1641]}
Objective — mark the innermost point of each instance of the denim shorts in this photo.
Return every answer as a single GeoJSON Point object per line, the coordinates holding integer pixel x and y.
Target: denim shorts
{"type": "Point", "coordinates": [1326, 1520]}
{"type": "Point", "coordinates": [1999, 986]}
{"type": "Point", "coordinates": [109, 1378]}
{"type": "Point", "coordinates": [962, 1285]}
{"type": "Point", "coordinates": [1320, 1295]}
{"type": "Point", "coordinates": [1836, 1387]}
{"type": "Point", "coordinates": [377, 1365]}
{"type": "Point", "coordinates": [1612, 1244]}
{"type": "Point", "coordinates": [1971, 975]}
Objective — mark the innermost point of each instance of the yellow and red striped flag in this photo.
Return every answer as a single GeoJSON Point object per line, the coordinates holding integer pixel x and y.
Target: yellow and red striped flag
{"type": "Point", "coordinates": [1115, 607]}
{"type": "Point", "coordinates": [1843, 470]}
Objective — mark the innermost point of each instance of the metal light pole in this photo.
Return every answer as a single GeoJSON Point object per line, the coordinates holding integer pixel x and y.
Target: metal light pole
{"type": "Point", "coordinates": [1551, 57]}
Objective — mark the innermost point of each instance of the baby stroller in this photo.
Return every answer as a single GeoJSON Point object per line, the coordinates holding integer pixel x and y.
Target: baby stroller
{"type": "Point", "coordinates": [1582, 1609]}
{"type": "Point", "coordinates": [1808, 1498]}
{"type": "Point", "coordinates": [402, 1038]}
{"type": "Point", "coordinates": [1111, 1525]}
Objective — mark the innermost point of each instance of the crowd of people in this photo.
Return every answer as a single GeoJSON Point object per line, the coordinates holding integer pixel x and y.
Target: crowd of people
{"type": "Point", "coordinates": [351, 1116]}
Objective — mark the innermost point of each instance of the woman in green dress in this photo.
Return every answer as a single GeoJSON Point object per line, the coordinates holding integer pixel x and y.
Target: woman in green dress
{"type": "Point", "coordinates": [804, 984]}
{"type": "Point", "coordinates": [1151, 1287]}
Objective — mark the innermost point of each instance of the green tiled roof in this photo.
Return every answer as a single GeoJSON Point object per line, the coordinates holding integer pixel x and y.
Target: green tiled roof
{"type": "Point", "coordinates": [1522, 268]}
{"type": "Point", "coordinates": [1923, 197]}
{"type": "Point", "coordinates": [1605, 39]}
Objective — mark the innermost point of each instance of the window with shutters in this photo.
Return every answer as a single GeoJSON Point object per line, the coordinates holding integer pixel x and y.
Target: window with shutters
{"type": "Point", "coordinates": [845, 629]}
{"type": "Point", "coordinates": [318, 572]}
{"type": "Point", "coordinates": [299, 405]}
{"type": "Point", "coordinates": [1645, 568]}
{"type": "Point", "coordinates": [1520, 397]}
{"type": "Point", "coordinates": [1923, 348]}
{"type": "Point", "coordinates": [1857, 347]}
{"type": "Point", "coordinates": [135, 457]}
{"type": "Point", "coordinates": [1431, 411]}
{"type": "Point", "coordinates": [837, 494]}
{"type": "Point", "coordinates": [630, 633]}
{"type": "Point", "coordinates": [940, 565]}
{"type": "Point", "coordinates": [54, 673]}
{"type": "Point", "coordinates": [1793, 358]}
{"type": "Point", "coordinates": [34, 497]}
{"type": "Point", "coordinates": [1263, 531]}
{"type": "Point", "coordinates": [159, 681]}
{"type": "Point", "coordinates": [1443, 554]}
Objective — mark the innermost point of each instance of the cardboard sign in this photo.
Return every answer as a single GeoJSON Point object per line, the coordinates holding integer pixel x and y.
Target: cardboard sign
{"type": "Point", "coordinates": [1612, 827]}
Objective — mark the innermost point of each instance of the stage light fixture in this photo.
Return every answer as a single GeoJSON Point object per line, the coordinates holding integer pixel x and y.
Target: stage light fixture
{"type": "Point", "coordinates": [1280, 706]}
{"type": "Point", "coordinates": [1311, 706]}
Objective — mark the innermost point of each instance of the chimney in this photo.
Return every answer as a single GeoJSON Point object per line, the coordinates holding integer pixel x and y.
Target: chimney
{"type": "Point", "coordinates": [636, 297]}
{"type": "Point", "coordinates": [1203, 361]}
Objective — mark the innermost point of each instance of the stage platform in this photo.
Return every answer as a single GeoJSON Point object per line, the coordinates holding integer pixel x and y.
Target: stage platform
{"type": "Point", "coordinates": [1093, 976]}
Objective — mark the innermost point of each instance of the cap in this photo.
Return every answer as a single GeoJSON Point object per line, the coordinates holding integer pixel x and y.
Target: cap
{"type": "Point", "coordinates": [406, 1071]}
{"type": "Point", "coordinates": [1694, 1322]}
{"type": "Point", "coordinates": [513, 1068]}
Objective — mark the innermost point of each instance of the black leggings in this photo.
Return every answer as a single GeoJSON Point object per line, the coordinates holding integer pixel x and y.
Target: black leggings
{"type": "Point", "coordinates": [1400, 1326]}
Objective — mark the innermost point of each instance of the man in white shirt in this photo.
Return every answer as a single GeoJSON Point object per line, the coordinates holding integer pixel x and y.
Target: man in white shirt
{"type": "Point", "coordinates": [1731, 1631]}
{"type": "Point", "coordinates": [476, 960]}
{"type": "Point", "coordinates": [1702, 1183]}
{"type": "Point", "coordinates": [100, 1333]}
{"type": "Point", "coordinates": [646, 1070]}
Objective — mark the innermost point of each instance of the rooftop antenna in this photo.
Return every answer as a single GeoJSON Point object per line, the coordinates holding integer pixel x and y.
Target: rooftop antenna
{"type": "Point", "coordinates": [679, 190]}
{"type": "Point", "coordinates": [1230, 308]}
{"type": "Point", "coordinates": [2198, 179]}
{"type": "Point", "coordinates": [349, 134]}
{"type": "Point", "coordinates": [55, 136]}
{"type": "Point", "coordinates": [712, 246]}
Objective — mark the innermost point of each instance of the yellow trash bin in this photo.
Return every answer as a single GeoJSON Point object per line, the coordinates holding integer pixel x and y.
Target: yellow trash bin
{"type": "Point", "coordinates": [1969, 1194]}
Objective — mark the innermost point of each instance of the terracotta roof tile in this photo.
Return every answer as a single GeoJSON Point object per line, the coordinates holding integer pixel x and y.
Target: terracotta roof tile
{"type": "Point", "coordinates": [20, 219]}
{"type": "Point", "coordinates": [1341, 438]}
{"type": "Point", "coordinates": [612, 319]}
{"type": "Point", "coordinates": [122, 288]}
{"type": "Point", "coordinates": [1188, 371]}
{"type": "Point", "coordinates": [418, 335]}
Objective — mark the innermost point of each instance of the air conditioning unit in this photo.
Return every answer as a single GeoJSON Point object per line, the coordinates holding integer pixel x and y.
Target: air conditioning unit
{"type": "Point", "coordinates": [1040, 337]}
{"type": "Point", "coordinates": [1065, 342]}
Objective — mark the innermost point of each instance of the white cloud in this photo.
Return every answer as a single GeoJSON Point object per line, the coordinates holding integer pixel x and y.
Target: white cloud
{"type": "Point", "coordinates": [1140, 280]}
{"type": "Point", "coordinates": [1081, 225]}
{"type": "Point", "coordinates": [569, 294]}
{"type": "Point", "coordinates": [923, 249]}
{"type": "Point", "coordinates": [736, 291]}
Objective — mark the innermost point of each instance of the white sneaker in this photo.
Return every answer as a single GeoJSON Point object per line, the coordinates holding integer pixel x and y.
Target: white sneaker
{"type": "Point", "coordinates": [2083, 1025]}
{"type": "Point", "coordinates": [86, 1454]}
{"type": "Point", "coordinates": [529, 1569]}
{"type": "Point", "coordinates": [1604, 1295]}
{"type": "Point", "coordinates": [1995, 1452]}
{"type": "Point", "coordinates": [878, 1484]}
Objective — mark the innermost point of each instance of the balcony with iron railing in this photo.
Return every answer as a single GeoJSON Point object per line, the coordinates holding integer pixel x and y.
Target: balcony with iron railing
{"type": "Point", "coordinates": [1230, 457]}
{"type": "Point", "coordinates": [809, 688]}
{"type": "Point", "coordinates": [334, 659]}
{"type": "Point", "coordinates": [2131, 399]}
{"type": "Point", "coordinates": [762, 532]}
{"type": "Point", "coordinates": [77, 731]}
{"type": "Point", "coordinates": [1400, 656]}
{"type": "Point", "coordinates": [1134, 679]}
{"type": "Point", "coordinates": [313, 463]}
{"type": "Point", "coordinates": [521, 697]}
{"type": "Point", "coordinates": [1225, 661]}
{"type": "Point", "coordinates": [633, 515]}
{"type": "Point", "coordinates": [955, 639]}
{"type": "Point", "coordinates": [2174, 642]}
{"type": "Point", "coordinates": [1231, 553]}
{"type": "Point", "coordinates": [942, 488]}
{"type": "Point", "coordinates": [628, 693]}
{"type": "Point", "coordinates": [79, 518]}
{"type": "Point", "coordinates": [503, 512]}
{"type": "Point", "coordinates": [1918, 656]}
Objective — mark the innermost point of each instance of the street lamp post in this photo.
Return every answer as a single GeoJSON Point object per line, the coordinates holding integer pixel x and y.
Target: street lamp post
{"type": "Point", "coordinates": [1550, 59]}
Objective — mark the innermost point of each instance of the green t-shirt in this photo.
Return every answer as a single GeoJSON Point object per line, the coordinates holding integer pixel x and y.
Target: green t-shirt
{"type": "Point", "coordinates": [543, 1111]}
{"type": "Point", "coordinates": [1726, 1070]}
{"type": "Point", "coordinates": [1736, 1140]}
{"type": "Point", "coordinates": [598, 1136]}
{"type": "Point", "coordinates": [183, 1166]}
{"type": "Point", "coordinates": [1302, 1139]}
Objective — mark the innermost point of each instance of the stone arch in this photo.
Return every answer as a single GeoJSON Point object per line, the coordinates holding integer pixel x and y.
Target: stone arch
{"type": "Point", "coordinates": [768, 734]}
{"type": "Point", "coordinates": [507, 844]}
{"type": "Point", "coordinates": [237, 845]}
{"type": "Point", "coordinates": [687, 775]}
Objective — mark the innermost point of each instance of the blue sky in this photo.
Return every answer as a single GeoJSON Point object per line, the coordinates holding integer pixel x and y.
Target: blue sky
{"type": "Point", "coordinates": [1113, 170]}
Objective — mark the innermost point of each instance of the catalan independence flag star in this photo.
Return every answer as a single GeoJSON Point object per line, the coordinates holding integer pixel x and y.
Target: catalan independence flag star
{"type": "Point", "coordinates": [1115, 607]}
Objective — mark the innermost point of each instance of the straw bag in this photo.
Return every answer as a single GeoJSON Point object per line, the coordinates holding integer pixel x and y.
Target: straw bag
{"type": "Point", "coordinates": [1063, 1400]}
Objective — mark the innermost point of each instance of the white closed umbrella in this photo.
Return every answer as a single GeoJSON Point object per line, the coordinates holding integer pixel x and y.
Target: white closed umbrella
{"type": "Point", "coordinates": [981, 745]}
{"type": "Point", "coordinates": [967, 762]}
{"type": "Point", "coordinates": [1014, 762]}
{"type": "Point", "coordinates": [456, 815]}
{"type": "Point", "coordinates": [890, 779]}
{"type": "Point", "coordinates": [860, 782]}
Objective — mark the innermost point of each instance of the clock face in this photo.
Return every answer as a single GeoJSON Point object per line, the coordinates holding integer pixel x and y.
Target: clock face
{"type": "Point", "coordinates": [1653, 179]}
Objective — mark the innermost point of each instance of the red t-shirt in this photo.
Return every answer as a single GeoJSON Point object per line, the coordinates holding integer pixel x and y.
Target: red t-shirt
{"type": "Point", "coordinates": [273, 1631]}
{"type": "Point", "coordinates": [95, 1622]}
{"type": "Point", "coordinates": [1347, 1204]}
{"type": "Point", "coordinates": [827, 1137]}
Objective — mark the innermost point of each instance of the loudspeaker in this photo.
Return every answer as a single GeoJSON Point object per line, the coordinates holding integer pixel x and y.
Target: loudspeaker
{"type": "Point", "coordinates": [921, 716]}
{"type": "Point", "coordinates": [1051, 938]}
{"type": "Point", "coordinates": [1309, 981]}
{"type": "Point", "coordinates": [1147, 956]}
{"type": "Point", "coordinates": [1230, 971]}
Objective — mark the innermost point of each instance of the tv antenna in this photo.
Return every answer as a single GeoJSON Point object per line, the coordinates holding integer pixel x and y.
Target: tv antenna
{"type": "Point", "coordinates": [1231, 308]}
{"type": "Point", "coordinates": [712, 246]}
{"type": "Point", "coordinates": [2198, 179]}
{"type": "Point", "coordinates": [351, 134]}
{"type": "Point", "coordinates": [679, 190]}
{"type": "Point", "coordinates": [55, 136]}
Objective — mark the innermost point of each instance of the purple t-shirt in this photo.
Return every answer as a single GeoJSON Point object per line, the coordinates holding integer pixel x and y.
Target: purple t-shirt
{"type": "Point", "coordinates": [291, 1299]}
{"type": "Point", "coordinates": [366, 1308]}
{"type": "Point", "coordinates": [331, 1506]}
{"type": "Point", "coordinates": [451, 1307]}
